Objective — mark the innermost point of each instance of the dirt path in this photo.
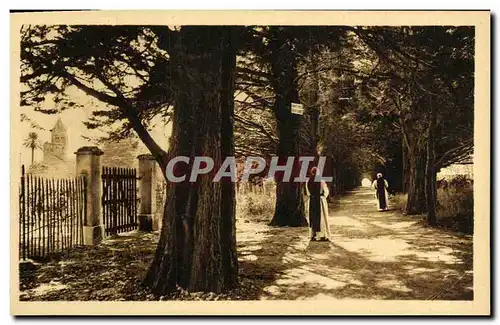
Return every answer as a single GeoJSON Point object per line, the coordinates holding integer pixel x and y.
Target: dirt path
{"type": "Point", "coordinates": [372, 255]}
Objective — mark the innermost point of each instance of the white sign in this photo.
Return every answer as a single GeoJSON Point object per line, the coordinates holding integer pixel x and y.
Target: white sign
{"type": "Point", "coordinates": [297, 109]}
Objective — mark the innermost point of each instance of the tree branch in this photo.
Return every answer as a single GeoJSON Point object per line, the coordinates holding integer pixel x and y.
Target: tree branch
{"type": "Point", "coordinates": [257, 126]}
{"type": "Point", "coordinates": [454, 154]}
{"type": "Point", "coordinates": [166, 37]}
{"type": "Point", "coordinates": [128, 110]}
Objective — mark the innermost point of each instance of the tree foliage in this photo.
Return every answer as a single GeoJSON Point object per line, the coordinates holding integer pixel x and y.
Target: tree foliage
{"type": "Point", "coordinates": [368, 91]}
{"type": "Point", "coordinates": [32, 142]}
{"type": "Point", "coordinates": [424, 77]}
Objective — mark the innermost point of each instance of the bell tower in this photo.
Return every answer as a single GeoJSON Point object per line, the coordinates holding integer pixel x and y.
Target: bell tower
{"type": "Point", "coordinates": [55, 150]}
{"type": "Point", "coordinates": [60, 135]}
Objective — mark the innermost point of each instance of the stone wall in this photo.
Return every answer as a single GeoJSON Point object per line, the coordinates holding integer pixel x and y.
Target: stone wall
{"type": "Point", "coordinates": [456, 170]}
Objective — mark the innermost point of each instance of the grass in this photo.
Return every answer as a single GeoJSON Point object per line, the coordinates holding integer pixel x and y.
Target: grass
{"type": "Point", "coordinates": [372, 256]}
{"type": "Point", "coordinates": [398, 201]}
{"type": "Point", "coordinates": [110, 271]}
{"type": "Point", "coordinates": [455, 210]}
{"type": "Point", "coordinates": [256, 204]}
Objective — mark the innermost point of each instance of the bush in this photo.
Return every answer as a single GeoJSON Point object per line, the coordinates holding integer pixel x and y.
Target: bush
{"type": "Point", "coordinates": [398, 201]}
{"type": "Point", "coordinates": [460, 181]}
{"type": "Point", "coordinates": [256, 204]}
{"type": "Point", "coordinates": [456, 205]}
{"type": "Point", "coordinates": [455, 208]}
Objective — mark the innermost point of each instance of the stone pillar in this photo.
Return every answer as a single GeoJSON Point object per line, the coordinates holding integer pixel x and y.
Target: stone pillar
{"type": "Point", "coordinates": [88, 164]}
{"type": "Point", "coordinates": [147, 192]}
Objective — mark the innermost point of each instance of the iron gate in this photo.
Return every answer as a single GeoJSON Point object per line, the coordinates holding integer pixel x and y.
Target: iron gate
{"type": "Point", "coordinates": [119, 199]}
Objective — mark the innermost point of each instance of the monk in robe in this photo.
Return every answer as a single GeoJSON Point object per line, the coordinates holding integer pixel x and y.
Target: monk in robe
{"type": "Point", "coordinates": [317, 192]}
{"type": "Point", "coordinates": [381, 186]}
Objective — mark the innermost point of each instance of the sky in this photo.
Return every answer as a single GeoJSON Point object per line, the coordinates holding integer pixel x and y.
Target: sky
{"type": "Point", "coordinates": [73, 119]}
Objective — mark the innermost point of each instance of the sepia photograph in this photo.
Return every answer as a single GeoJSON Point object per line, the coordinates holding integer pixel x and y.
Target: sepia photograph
{"type": "Point", "coordinates": [245, 162]}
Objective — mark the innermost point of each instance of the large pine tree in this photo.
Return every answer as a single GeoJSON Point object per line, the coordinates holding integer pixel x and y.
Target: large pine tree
{"type": "Point", "coordinates": [192, 69]}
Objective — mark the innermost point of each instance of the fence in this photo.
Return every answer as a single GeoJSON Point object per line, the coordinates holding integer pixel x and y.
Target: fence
{"type": "Point", "coordinates": [119, 199]}
{"type": "Point", "coordinates": [52, 213]}
{"type": "Point", "coordinates": [58, 214]}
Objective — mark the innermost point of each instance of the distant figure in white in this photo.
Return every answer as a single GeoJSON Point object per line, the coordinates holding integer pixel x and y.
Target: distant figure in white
{"type": "Point", "coordinates": [381, 186]}
{"type": "Point", "coordinates": [317, 192]}
{"type": "Point", "coordinates": [366, 182]}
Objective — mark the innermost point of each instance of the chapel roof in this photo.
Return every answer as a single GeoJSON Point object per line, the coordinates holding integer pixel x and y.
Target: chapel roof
{"type": "Point", "coordinates": [59, 126]}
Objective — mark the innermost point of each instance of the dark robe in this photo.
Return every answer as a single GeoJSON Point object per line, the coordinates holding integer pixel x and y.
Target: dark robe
{"type": "Point", "coordinates": [381, 193]}
{"type": "Point", "coordinates": [314, 204]}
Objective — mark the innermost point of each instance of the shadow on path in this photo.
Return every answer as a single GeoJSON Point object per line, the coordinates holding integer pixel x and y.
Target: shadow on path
{"type": "Point", "coordinates": [372, 255]}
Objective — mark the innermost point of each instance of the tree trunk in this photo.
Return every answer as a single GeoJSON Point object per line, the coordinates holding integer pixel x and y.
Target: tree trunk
{"type": "Point", "coordinates": [315, 131]}
{"type": "Point", "coordinates": [197, 246]}
{"type": "Point", "coordinates": [340, 180]}
{"type": "Point", "coordinates": [333, 184]}
{"type": "Point", "coordinates": [416, 203]}
{"type": "Point", "coordinates": [313, 97]}
{"type": "Point", "coordinates": [430, 172]}
{"type": "Point", "coordinates": [403, 166]}
{"type": "Point", "coordinates": [228, 205]}
{"type": "Point", "coordinates": [32, 155]}
{"type": "Point", "coordinates": [289, 209]}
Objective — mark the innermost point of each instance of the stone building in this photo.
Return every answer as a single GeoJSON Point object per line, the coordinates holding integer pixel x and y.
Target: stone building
{"type": "Point", "coordinates": [465, 169]}
{"type": "Point", "coordinates": [121, 153]}
{"type": "Point", "coordinates": [452, 171]}
{"type": "Point", "coordinates": [55, 150]}
{"type": "Point", "coordinates": [56, 162]}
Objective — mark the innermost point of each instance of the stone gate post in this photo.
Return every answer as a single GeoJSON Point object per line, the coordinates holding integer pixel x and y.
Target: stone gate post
{"type": "Point", "coordinates": [88, 164]}
{"type": "Point", "coordinates": [147, 192]}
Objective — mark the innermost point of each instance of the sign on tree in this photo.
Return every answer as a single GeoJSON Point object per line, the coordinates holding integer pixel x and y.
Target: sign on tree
{"type": "Point", "coordinates": [297, 109]}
